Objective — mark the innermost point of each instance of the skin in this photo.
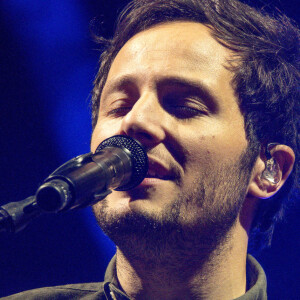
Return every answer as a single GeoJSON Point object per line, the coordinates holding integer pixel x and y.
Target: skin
{"type": "Point", "coordinates": [169, 88]}
{"type": "Point", "coordinates": [208, 139]}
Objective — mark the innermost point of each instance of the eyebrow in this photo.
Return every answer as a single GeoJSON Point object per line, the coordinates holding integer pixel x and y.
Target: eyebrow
{"type": "Point", "coordinates": [119, 83]}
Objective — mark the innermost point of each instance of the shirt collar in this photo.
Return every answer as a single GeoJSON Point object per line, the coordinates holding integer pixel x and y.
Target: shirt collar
{"type": "Point", "coordinates": [111, 285]}
{"type": "Point", "coordinates": [256, 279]}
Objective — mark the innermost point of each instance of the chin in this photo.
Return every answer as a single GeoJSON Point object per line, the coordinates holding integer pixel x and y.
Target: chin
{"type": "Point", "coordinates": [136, 202]}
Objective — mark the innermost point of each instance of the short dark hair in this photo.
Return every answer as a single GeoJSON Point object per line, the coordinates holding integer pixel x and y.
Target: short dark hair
{"type": "Point", "coordinates": [266, 77]}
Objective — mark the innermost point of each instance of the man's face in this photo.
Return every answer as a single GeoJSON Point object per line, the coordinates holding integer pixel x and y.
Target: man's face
{"type": "Point", "coordinates": [169, 87]}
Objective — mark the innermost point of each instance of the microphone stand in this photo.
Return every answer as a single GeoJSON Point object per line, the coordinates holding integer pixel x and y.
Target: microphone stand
{"type": "Point", "coordinates": [15, 216]}
{"type": "Point", "coordinates": [53, 196]}
{"type": "Point", "coordinates": [120, 163]}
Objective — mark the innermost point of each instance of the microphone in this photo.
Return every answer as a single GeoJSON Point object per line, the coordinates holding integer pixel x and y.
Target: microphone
{"type": "Point", "coordinates": [119, 162]}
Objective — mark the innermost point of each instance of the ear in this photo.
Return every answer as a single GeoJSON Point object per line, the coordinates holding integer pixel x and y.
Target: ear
{"type": "Point", "coordinates": [262, 187]}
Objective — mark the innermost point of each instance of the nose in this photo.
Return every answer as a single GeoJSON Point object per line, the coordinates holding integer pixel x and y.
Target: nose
{"type": "Point", "coordinates": [146, 121]}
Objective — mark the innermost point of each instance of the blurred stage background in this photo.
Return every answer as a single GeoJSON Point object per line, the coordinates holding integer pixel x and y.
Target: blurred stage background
{"type": "Point", "coordinates": [48, 61]}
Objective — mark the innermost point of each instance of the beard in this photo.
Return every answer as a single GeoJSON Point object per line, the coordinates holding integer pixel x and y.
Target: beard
{"type": "Point", "coordinates": [195, 224]}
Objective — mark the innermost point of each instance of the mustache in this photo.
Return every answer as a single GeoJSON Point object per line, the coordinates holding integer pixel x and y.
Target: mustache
{"type": "Point", "coordinates": [165, 159]}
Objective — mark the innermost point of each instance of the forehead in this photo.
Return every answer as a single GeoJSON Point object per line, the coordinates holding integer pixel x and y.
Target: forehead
{"type": "Point", "coordinates": [175, 51]}
{"type": "Point", "coordinates": [173, 47]}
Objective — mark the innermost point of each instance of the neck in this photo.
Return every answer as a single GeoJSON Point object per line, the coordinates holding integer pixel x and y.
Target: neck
{"type": "Point", "coordinates": [186, 273]}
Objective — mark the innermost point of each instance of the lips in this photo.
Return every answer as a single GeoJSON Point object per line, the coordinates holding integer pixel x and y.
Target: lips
{"type": "Point", "coordinates": [158, 170]}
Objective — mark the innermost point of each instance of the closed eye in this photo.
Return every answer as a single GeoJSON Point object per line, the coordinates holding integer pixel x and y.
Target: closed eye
{"type": "Point", "coordinates": [119, 107]}
{"type": "Point", "coordinates": [185, 108]}
{"type": "Point", "coordinates": [119, 112]}
{"type": "Point", "coordinates": [184, 112]}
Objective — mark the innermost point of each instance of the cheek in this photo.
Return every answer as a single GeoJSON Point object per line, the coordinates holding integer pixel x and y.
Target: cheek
{"type": "Point", "coordinates": [103, 130]}
{"type": "Point", "coordinates": [95, 141]}
{"type": "Point", "coordinates": [215, 147]}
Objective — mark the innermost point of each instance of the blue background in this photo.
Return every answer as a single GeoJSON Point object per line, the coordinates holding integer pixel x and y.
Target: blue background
{"type": "Point", "coordinates": [48, 61]}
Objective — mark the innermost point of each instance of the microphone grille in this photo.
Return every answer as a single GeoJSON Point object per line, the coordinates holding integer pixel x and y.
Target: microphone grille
{"type": "Point", "coordinates": [138, 155]}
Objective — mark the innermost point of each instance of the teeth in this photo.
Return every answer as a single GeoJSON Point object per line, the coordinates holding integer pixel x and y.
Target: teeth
{"type": "Point", "coordinates": [152, 173]}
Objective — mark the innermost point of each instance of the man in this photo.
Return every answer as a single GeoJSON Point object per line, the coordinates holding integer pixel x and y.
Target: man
{"type": "Point", "coordinates": [209, 88]}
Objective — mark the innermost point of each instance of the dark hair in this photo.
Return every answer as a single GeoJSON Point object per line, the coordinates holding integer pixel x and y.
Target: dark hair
{"type": "Point", "coordinates": [266, 76]}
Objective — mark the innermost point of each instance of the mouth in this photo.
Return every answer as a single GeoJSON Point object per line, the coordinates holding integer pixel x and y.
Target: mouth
{"type": "Point", "coordinates": [158, 171]}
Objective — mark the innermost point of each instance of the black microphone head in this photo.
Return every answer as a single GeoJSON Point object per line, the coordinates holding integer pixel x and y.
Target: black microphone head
{"type": "Point", "coordinates": [138, 155]}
